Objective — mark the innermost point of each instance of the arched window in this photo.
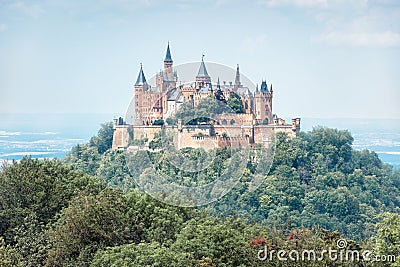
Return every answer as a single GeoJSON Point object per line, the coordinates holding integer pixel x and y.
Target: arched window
{"type": "Point", "coordinates": [224, 122]}
{"type": "Point", "coordinates": [232, 122]}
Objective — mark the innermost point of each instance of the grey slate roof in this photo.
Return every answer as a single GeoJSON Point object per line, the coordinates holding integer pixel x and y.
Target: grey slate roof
{"type": "Point", "coordinates": [173, 95]}
{"type": "Point", "coordinates": [202, 70]}
{"type": "Point", "coordinates": [176, 95]}
{"type": "Point", "coordinates": [244, 91]}
{"type": "Point", "coordinates": [168, 57]}
{"type": "Point", "coordinates": [181, 99]}
{"type": "Point", "coordinates": [141, 79]}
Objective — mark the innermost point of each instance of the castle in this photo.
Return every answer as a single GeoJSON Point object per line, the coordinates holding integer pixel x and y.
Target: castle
{"type": "Point", "coordinates": [252, 124]}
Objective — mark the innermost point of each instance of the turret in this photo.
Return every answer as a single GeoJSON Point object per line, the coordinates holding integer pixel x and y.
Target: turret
{"type": "Point", "coordinates": [264, 87]}
{"type": "Point", "coordinates": [237, 79]}
{"type": "Point", "coordinates": [168, 60]}
{"type": "Point", "coordinates": [202, 77]}
{"type": "Point", "coordinates": [263, 102]}
{"type": "Point", "coordinates": [141, 79]}
{"type": "Point", "coordinates": [141, 87]}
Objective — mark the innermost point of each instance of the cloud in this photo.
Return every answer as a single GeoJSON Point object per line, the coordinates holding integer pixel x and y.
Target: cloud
{"type": "Point", "coordinates": [377, 39]}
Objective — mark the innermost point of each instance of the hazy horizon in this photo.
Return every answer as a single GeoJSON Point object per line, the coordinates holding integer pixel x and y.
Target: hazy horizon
{"type": "Point", "coordinates": [325, 58]}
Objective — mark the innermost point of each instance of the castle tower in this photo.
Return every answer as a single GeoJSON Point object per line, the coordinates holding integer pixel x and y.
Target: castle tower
{"type": "Point", "coordinates": [166, 82]}
{"type": "Point", "coordinates": [202, 77]}
{"type": "Point", "coordinates": [263, 104]}
{"type": "Point", "coordinates": [141, 87]}
{"type": "Point", "coordinates": [237, 80]}
{"type": "Point", "coordinates": [168, 61]}
{"type": "Point", "coordinates": [167, 78]}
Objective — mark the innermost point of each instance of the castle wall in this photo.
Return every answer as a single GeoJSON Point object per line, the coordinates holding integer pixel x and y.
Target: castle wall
{"type": "Point", "coordinates": [233, 130]}
{"type": "Point", "coordinates": [234, 142]}
{"type": "Point", "coordinates": [186, 139]}
{"type": "Point", "coordinates": [236, 119]}
{"type": "Point", "coordinates": [121, 137]}
{"type": "Point", "coordinates": [140, 132]}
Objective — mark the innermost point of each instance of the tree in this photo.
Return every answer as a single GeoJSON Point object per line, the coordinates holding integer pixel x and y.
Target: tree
{"type": "Point", "coordinates": [31, 241]}
{"type": "Point", "coordinates": [225, 243]}
{"type": "Point", "coordinates": [104, 138]}
{"type": "Point", "coordinates": [158, 122]}
{"type": "Point", "coordinates": [92, 222]}
{"type": "Point", "coordinates": [143, 254]}
{"type": "Point", "coordinates": [388, 238]}
{"type": "Point", "coordinates": [38, 187]}
{"type": "Point", "coordinates": [161, 222]}
{"type": "Point", "coordinates": [9, 256]}
{"type": "Point", "coordinates": [235, 103]}
{"type": "Point", "coordinates": [85, 158]}
{"type": "Point", "coordinates": [206, 110]}
{"type": "Point", "coordinates": [114, 171]}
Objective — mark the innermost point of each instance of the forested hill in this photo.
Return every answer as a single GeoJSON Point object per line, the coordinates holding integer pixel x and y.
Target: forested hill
{"type": "Point", "coordinates": [74, 213]}
{"type": "Point", "coordinates": [316, 179]}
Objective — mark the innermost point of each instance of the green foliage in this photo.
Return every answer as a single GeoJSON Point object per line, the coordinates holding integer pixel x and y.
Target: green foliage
{"type": "Point", "coordinates": [31, 241]}
{"type": "Point", "coordinates": [92, 222]}
{"type": "Point", "coordinates": [317, 179]}
{"type": "Point", "coordinates": [38, 187]}
{"type": "Point", "coordinates": [235, 103]}
{"type": "Point", "coordinates": [139, 142]}
{"type": "Point", "coordinates": [143, 254]}
{"type": "Point", "coordinates": [199, 135]}
{"type": "Point", "coordinates": [9, 256]}
{"type": "Point", "coordinates": [104, 138]}
{"type": "Point", "coordinates": [158, 122]}
{"type": "Point", "coordinates": [206, 111]}
{"type": "Point", "coordinates": [161, 222]}
{"type": "Point", "coordinates": [171, 121]}
{"type": "Point", "coordinates": [114, 171]}
{"type": "Point", "coordinates": [225, 243]}
{"type": "Point", "coordinates": [53, 215]}
{"type": "Point", "coordinates": [388, 238]}
{"type": "Point", "coordinates": [86, 158]}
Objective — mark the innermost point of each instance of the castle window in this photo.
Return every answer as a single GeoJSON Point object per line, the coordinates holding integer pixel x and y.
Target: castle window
{"type": "Point", "coordinates": [224, 122]}
{"type": "Point", "coordinates": [232, 122]}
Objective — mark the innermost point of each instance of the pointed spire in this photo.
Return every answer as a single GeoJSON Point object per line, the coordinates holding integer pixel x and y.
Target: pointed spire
{"type": "Point", "coordinates": [141, 79]}
{"type": "Point", "coordinates": [257, 87]}
{"type": "Point", "coordinates": [218, 84]}
{"type": "Point", "coordinates": [168, 57]}
{"type": "Point", "coordinates": [202, 70]}
{"type": "Point", "coordinates": [271, 89]}
{"type": "Point", "coordinates": [237, 78]}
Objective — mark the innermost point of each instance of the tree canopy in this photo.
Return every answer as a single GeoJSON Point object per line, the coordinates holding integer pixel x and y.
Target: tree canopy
{"type": "Point", "coordinates": [318, 190]}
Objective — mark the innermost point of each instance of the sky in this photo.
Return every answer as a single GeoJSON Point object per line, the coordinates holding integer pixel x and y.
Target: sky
{"type": "Point", "coordinates": [325, 58]}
